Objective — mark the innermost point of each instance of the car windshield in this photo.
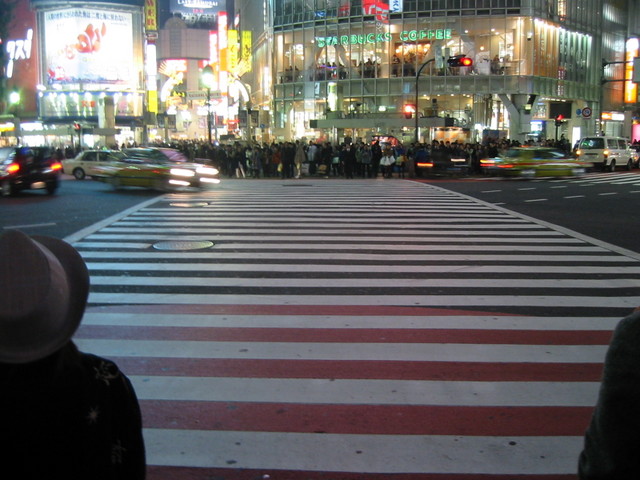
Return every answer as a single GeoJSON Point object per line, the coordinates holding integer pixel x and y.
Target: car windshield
{"type": "Point", "coordinates": [6, 154]}
{"type": "Point", "coordinates": [532, 153]}
{"type": "Point", "coordinates": [115, 155]}
{"type": "Point", "coordinates": [160, 155]}
{"type": "Point", "coordinates": [592, 143]}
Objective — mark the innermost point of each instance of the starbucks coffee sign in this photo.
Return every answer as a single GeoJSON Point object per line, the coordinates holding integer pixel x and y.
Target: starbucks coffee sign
{"type": "Point", "coordinates": [404, 36]}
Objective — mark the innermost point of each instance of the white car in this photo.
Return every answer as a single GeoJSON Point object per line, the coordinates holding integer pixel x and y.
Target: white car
{"type": "Point", "coordinates": [607, 153]}
{"type": "Point", "coordinates": [88, 162]}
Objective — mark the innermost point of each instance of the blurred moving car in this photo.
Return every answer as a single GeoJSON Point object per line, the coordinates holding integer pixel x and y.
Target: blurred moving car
{"type": "Point", "coordinates": [534, 162]}
{"type": "Point", "coordinates": [86, 162]}
{"type": "Point", "coordinates": [162, 169]}
{"type": "Point", "coordinates": [443, 163]}
{"type": "Point", "coordinates": [28, 168]}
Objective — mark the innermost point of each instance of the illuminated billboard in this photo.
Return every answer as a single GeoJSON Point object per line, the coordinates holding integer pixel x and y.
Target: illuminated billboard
{"type": "Point", "coordinates": [197, 7]}
{"type": "Point", "coordinates": [90, 46]}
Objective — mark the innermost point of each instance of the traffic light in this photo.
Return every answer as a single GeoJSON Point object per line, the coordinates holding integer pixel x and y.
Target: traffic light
{"type": "Point", "coordinates": [76, 126]}
{"type": "Point", "coordinates": [559, 120]}
{"type": "Point", "coordinates": [409, 109]}
{"type": "Point", "coordinates": [460, 61]}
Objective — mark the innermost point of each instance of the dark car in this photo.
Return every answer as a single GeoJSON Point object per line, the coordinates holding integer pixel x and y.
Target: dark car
{"type": "Point", "coordinates": [28, 168]}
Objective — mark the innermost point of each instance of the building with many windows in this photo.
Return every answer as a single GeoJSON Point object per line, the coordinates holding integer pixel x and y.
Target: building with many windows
{"type": "Point", "coordinates": [348, 69]}
{"type": "Point", "coordinates": [323, 69]}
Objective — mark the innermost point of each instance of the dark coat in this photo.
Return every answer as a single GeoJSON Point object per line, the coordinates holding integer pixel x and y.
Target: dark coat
{"type": "Point", "coordinates": [70, 416]}
{"type": "Point", "coordinates": [612, 441]}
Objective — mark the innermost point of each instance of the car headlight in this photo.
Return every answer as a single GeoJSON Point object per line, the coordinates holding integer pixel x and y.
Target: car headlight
{"type": "Point", "coordinates": [182, 172]}
{"type": "Point", "coordinates": [207, 171]}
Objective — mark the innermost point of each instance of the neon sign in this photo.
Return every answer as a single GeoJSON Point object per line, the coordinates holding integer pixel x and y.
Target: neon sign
{"type": "Point", "coordinates": [18, 50]}
{"type": "Point", "coordinates": [413, 35]}
{"type": "Point", "coordinates": [404, 36]}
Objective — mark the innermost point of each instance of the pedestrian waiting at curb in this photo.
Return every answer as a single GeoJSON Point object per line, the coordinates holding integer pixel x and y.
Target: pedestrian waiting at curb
{"type": "Point", "coordinates": [65, 414]}
{"type": "Point", "coordinates": [611, 442]}
{"type": "Point", "coordinates": [387, 163]}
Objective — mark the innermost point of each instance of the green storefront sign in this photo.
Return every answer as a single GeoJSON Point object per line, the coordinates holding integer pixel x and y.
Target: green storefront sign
{"type": "Point", "coordinates": [404, 36]}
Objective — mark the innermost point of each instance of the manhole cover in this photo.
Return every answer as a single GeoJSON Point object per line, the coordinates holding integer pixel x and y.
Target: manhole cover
{"type": "Point", "coordinates": [183, 245]}
{"type": "Point", "coordinates": [187, 205]}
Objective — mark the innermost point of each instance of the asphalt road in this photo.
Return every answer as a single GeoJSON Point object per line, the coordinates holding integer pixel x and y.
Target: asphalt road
{"type": "Point", "coordinates": [76, 205]}
{"type": "Point", "coordinates": [602, 206]}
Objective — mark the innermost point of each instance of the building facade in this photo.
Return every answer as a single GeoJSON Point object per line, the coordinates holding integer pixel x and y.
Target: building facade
{"type": "Point", "coordinates": [323, 69]}
{"type": "Point", "coordinates": [348, 69]}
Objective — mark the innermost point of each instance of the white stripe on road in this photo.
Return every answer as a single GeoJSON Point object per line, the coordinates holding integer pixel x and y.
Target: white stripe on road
{"type": "Point", "coordinates": [395, 247]}
{"type": "Point", "coordinates": [458, 301]}
{"type": "Point", "coordinates": [421, 352]}
{"type": "Point", "coordinates": [337, 269]}
{"type": "Point", "coordinates": [467, 255]}
{"type": "Point", "coordinates": [437, 283]}
{"type": "Point", "coordinates": [366, 392]}
{"type": "Point", "coordinates": [375, 454]}
{"type": "Point", "coordinates": [473, 322]}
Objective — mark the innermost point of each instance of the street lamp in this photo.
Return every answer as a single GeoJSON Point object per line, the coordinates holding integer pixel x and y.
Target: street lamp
{"type": "Point", "coordinates": [416, 104]}
{"type": "Point", "coordinates": [14, 102]}
{"type": "Point", "coordinates": [456, 61]}
{"type": "Point", "coordinates": [207, 81]}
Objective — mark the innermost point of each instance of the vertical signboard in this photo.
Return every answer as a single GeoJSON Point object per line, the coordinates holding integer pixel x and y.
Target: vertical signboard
{"type": "Point", "coordinates": [247, 45]}
{"type": "Point", "coordinates": [150, 15]}
{"type": "Point", "coordinates": [222, 50]}
{"type": "Point", "coordinates": [22, 56]}
{"type": "Point", "coordinates": [630, 88]}
{"type": "Point", "coordinates": [232, 50]}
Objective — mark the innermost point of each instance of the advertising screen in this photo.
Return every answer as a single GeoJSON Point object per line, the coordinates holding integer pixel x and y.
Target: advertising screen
{"type": "Point", "coordinates": [89, 45]}
{"type": "Point", "coordinates": [197, 7]}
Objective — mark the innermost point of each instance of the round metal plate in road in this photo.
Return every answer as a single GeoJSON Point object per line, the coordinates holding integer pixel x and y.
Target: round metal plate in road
{"type": "Point", "coordinates": [187, 205]}
{"type": "Point", "coordinates": [183, 245]}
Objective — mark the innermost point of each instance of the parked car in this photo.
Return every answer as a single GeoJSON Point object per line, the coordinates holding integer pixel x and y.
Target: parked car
{"type": "Point", "coordinates": [534, 162]}
{"type": "Point", "coordinates": [86, 162]}
{"type": "Point", "coordinates": [28, 168]}
{"type": "Point", "coordinates": [607, 153]}
{"type": "Point", "coordinates": [162, 169]}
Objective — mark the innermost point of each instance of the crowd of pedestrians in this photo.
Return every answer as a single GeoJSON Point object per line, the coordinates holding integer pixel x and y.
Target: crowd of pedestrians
{"type": "Point", "coordinates": [293, 159]}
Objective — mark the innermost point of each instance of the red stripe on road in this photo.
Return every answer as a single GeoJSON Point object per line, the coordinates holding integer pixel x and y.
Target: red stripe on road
{"type": "Point", "coordinates": [366, 419]}
{"type": "Point", "coordinates": [194, 473]}
{"type": "Point", "coordinates": [361, 369]}
{"type": "Point", "coordinates": [348, 335]}
{"type": "Point", "coordinates": [375, 310]}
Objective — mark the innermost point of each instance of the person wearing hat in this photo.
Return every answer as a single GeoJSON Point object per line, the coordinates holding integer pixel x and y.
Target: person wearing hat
{"type": "Point", "coordinates": [63, 413]}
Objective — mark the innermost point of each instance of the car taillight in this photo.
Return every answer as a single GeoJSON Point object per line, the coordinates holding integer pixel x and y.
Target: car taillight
{"type": "Point", "coordinates": [424, 164]}
{"type": "Point", "coordinates": [13, 168]}
{"type": "Point", "coordinates": [56, 166]}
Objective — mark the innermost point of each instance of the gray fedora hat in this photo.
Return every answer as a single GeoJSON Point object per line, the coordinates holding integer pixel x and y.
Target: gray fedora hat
{"type": "Point", "coordinates": [44, 285]}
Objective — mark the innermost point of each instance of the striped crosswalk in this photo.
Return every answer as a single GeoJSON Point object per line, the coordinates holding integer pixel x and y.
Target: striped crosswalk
{"type": "Point", "coordinates": [354, 330]}
{"type": "Point", "coordinates": [604, 178]}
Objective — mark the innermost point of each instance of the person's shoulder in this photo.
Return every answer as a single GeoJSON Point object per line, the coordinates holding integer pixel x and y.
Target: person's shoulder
{"type": "Point", "coordinates": [102, 370]}
{"type": "Point", "coordinates": [629, 326]}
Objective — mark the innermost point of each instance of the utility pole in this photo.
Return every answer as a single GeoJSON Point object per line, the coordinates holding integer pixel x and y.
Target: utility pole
{"type": "Point", "coordinates": [416, 137]}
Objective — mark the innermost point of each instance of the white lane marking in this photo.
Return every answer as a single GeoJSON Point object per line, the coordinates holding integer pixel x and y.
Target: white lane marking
{"type": "Point", "coordinates": [445, 454]}
{"type": "Point", "coordinates": [407, 352]}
